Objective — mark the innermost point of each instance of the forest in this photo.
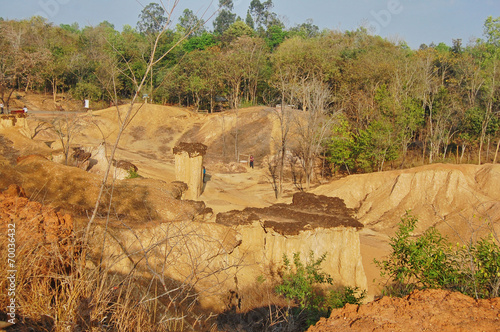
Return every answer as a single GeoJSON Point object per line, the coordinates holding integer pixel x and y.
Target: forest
{"type": "Point", "coordinates": [386, 105]}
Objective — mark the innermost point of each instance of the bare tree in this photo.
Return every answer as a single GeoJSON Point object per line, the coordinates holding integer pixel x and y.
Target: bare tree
{"type": "Point", "coordinates": [313, 125]}
{"type": "Point", "coordinates": [66, 128]}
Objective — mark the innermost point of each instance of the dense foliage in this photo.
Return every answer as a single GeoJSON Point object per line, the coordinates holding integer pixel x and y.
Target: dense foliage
{"type": "Point", "coordinates": [430, 261]}
{"type": "Point", "coordinates": [438, 102]}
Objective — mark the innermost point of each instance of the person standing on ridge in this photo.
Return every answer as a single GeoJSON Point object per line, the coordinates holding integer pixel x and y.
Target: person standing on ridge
{"type": "Point", "coordinates": [251, 161]}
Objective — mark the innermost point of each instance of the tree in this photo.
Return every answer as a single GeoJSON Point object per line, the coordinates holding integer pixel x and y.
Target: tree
{"type": "Point", "coordinates": [152, 19]}
{"type": "Point", "coordinates": [305, 30]}
{"type": "Point", "coordinates": [261, 14]}
{"type": "Point", "coordinates": [236, 30]}
{"type": "Point", "coordinates": [281, 79]}
{"type": "Point", "coordinates": [492, 31]}
{"type": "Point", "coordinates": [190, 24]}
{"type": "Point", "coordinates": [23, 56]}
{"type": "Point", "coordinates": [313, 125]}
{"type": "Point", "coordinates": [65, 129]}
{"type": "Point", "coordinates": [225, 18]}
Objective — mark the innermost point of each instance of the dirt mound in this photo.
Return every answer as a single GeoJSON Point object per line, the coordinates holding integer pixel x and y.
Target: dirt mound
{"type": "Point", "coordinates": [75, 191]}
{"type": "Point", "coordinates": [429, 310]}
{"type": "Point", "coordinates": [307, 211]}
{"type": "Point", "coordinates": [34, 222]}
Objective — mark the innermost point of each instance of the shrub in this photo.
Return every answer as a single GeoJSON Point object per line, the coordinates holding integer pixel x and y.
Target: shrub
{"type": "Point", "coordinates": [430, 261]}
{"type": "Point", "coordinates": [302, 283]}
{"type": "Point", "coordinates": [339, 298]}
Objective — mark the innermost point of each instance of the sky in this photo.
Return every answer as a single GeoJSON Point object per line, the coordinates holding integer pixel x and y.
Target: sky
{"type": "Point", "coordinates": [414, 21]}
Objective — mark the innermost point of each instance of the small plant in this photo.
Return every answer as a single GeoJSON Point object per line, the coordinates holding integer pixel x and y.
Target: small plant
{"type": "Point", "coordinates": [339, 298]}
{"type": "Point", "coordinates": [132, 174]}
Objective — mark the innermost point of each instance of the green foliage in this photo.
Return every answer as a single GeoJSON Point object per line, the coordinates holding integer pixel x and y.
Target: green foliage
{"type": "Point", "coordinates": [202, 42]}
{"type": "Point", "coordinates": [302, 283]}
{"type": "Point", "coordinates": [486, 255]}
{"type": "Point", "coordinates": [305, 30]}
{"type": "Point", "coordinates": [189, 22]}
{"type": "Point", "coordinates": [492, 30]}
{"type": "Point", "coordinates": [275, 36]}
{"type": "Point", "coordinates": [132, 174]}
{"type": "Point", "coordinates": [86, 90]}
{"type": "Point", "coordinates": [223, 21]}
{"type": "Point", "coordinates": [299, 280]}
{"type": "Point", "coordinates": [429, 261]}
{"type": "Point", "coordinates": [339, 298]}
{"type": "Point", "coordinates": [340, 147]}
{"type": "Point", "coordinates": [374, 146]}
{"type": "Point", "coordinates": [367, 151]}
{"type": "Point", "coordinates": [152, 19]}
{"type": "Point", "coordinates": [236, 30]}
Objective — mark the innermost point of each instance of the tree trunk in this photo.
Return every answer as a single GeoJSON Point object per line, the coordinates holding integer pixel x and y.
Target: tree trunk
{"type": "Point", "coordinates": [463, 151]}
{"type": "Point", "coordinates": [496, 152]}
{"type": "Point", "coordinates": [488, 150]}
{"type": "Point", "coordinates": [54, 90]}
{"type": "Point", "coordinates": [236, 138]}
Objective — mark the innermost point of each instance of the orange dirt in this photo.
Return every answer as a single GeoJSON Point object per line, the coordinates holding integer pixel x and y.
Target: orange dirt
{"type": "Point", "coordinates": [429, 310]}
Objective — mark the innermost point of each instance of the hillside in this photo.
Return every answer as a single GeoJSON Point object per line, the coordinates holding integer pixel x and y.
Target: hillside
{"type": "Point", "coordinates": [460, 200]}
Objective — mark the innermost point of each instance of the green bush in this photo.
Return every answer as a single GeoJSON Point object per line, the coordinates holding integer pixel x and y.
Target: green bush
{"type": "Point", "coordinates": [302, 283]}
{"type": "Point", "coordinates": [430, 261]}
{"type": "Point", "coordinates": [351, 295]}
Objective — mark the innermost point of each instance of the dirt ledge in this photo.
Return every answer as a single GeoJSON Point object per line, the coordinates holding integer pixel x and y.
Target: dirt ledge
{"type": "Point", "coordinates": [307, 211]}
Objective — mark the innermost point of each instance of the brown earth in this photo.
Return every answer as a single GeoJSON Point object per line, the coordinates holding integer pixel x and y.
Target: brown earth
{"type": "Point", "coordinates": [428, 310]}
{"type": "Point", "coordinates": [454, 198]}
{"type": "Point", "coordinates": [34, 223]}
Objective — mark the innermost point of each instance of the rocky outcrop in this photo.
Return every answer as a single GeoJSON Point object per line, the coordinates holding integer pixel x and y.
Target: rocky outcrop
{"type": "Point", "coordinates": [317, 224]}
{"type": "Point", "coordinates": [35, 224]}
{"type": "Point", "coordinates": [12, 120]}
{"type": "Point", "coordinates": [241, 246]}
{"type": "Point", "coordinates": [189, 167]}
{"type": "Point", "coordinates": [189, 257]}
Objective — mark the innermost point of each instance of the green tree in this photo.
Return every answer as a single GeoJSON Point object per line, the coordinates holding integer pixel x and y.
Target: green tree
{"type": "Point", "coordinates": [236, 30]}
{"type": "Point", "coordinates": [225, 17]}
{"type": "Point", "coordinates": [189, 23]}
{"type": "Point", "coordinates": [152, 19]}
{"type": "Point", "coordinates": [261, 16]}
{"type": "Point", "coordinates": [341, 146]}
{"type": "Point", "coordinates": [305, 30]}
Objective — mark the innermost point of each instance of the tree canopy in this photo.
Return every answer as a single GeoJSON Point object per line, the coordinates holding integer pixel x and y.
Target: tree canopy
{"type": "Point", "coordinates": [390, 103]}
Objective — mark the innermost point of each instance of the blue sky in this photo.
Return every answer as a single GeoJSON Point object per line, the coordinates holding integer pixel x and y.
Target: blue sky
{"type": "Point", "coordinates": [414, 21]}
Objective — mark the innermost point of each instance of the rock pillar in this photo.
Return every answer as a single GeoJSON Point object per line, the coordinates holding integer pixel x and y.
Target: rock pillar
{"type": "Point", "coordinates": [189, 167]}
